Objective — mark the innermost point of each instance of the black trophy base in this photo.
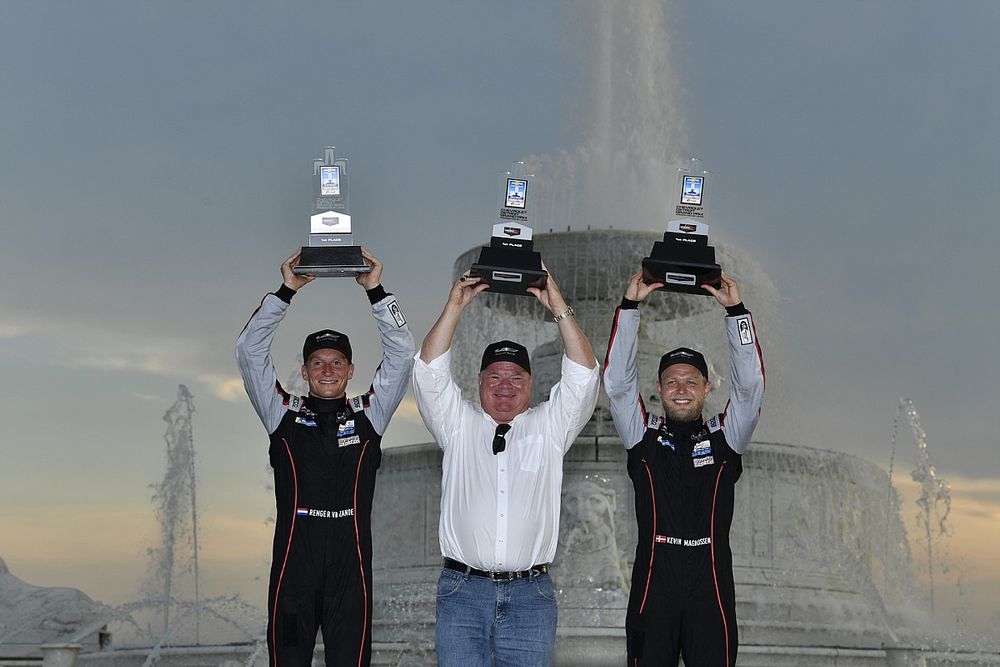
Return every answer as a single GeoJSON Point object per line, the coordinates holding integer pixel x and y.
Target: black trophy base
{"type": "Point", "coordinates": [680, 276]}
{"type": "Point", "coordinates": [510, 271]}
{"type": "Point", "coordinates": [331, 261]}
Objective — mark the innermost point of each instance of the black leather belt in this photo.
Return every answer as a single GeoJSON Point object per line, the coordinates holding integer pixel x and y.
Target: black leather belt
{"type": "Point", "coordinates": [452, 564]}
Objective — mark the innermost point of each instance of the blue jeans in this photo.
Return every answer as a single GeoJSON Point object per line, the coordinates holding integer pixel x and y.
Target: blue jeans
{"type": "Point", "coordinates": [502, 623]}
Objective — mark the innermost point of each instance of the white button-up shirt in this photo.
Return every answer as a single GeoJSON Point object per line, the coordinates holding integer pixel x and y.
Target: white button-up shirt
{"type": "Point", "coordinates": [500, 512]}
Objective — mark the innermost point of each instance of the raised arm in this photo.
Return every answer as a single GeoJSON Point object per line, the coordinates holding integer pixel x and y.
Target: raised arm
{"type": "Point", "coordinates": [253, 348]}
{"type": "Point", "coordinates": [393, 373]}
{"type": "Point", "coordinates": [439, 399]}
{"type": "Point", "coordinates": [621, 372]}
{"type": "Point", "coordinates": [575, 342]}
{"type": "Point", "coordinates": [747, 371]}
{"type": "Point", "coordinates": [438, 339]}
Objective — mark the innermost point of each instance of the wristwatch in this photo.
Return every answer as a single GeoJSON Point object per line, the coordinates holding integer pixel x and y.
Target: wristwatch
{"type": "Point", "coordinates": [569, 312]}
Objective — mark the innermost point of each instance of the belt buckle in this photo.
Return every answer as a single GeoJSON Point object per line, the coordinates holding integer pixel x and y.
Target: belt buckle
{"type": "Point", "coordinates": [502, 576]}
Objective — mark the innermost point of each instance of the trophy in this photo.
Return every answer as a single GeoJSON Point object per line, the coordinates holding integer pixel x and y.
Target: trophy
{"type": "Point", "coordinates": [683, 260]}
{"type": "Point", "coordinates": [508, 264]}
{"type": "Point", "coordinates": [331, 251]}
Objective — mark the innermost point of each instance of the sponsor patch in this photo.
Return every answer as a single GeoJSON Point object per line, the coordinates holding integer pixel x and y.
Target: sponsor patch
{"type": "Point", "coordinates": [714, 424]}
{"type": "Point", "coordinates": [356, 404]}
{"type": "Point", "coordinates": [347, 428]}
{"type": "Point", "coordinates": [746, 331]}
{"type": "Point", "coordinates": [294, 403]}
{"type": "Point", "coordinates": [325, 514]}
{"type": "Point", "coordinates": [305, 421]}
{"type": "Point", "coordinates": [702, 448]}
{"type": "Point", "coordinates": [666, 442]}
{"type": "Point", "coordinates": [348, 441]}
{"type": "Point", "coordinates": [396, 313]}
{"type": "Point", "coordinates": [699, 542]}
{"type": "Point", "coordinates": [704, 461]}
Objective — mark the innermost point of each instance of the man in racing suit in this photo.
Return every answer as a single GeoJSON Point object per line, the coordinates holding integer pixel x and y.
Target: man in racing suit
{"type": "Point", "coordinates": [325, 450]}
{"type": "Point", "coordinates": [684, 470]}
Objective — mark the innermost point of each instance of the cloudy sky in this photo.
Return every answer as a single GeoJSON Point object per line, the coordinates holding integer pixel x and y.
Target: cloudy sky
{"type": "Point", "coordinates": [156, 164]}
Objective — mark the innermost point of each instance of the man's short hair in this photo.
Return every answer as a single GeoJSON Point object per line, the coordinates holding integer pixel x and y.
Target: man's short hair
{"type": "Point", "coordinates": [683, 355]}
{"type": "Point", "coordinates": [326, 338]}
{"type": "Point", "coordinates": [506, 350]}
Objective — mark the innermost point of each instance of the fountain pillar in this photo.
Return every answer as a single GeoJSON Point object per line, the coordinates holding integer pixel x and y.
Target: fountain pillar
{"type": "Point", "coordinates": [59, 655]}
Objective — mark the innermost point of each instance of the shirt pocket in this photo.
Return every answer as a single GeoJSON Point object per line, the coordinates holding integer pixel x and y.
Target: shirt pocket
{"type": "Point", "coordinates": [530, 451]}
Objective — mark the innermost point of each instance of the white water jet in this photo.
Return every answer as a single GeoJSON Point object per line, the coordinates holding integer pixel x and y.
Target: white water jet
{"type": "Point", "coordinates": [176, 508]}
{"type": "Point", "coordinates": [934, 501]}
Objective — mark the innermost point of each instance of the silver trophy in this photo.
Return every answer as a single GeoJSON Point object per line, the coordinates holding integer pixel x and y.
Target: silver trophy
{"type": "Point", "coordinates": [508, 264]}
{"type": "Point", "coordinates": [683, 261]}
{"type": "Point", "coordinates": [331, 251]}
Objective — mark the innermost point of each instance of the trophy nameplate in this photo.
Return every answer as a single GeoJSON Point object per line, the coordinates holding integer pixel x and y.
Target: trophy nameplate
{"type": "Point", "coordinates": [509, 264]}
{"type": "Point", "coordinates": [683, 261]}
{"type": "Point", "coordinates": [331, 251]}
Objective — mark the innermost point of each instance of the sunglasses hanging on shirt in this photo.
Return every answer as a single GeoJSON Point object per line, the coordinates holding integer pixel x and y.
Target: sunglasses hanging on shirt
{"type": "Point", "coordinates": [500, 438]}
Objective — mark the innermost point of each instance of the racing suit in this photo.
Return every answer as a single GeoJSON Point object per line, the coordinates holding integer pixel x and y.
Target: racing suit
{"type": "Point", "coordinates": [324, 454]}
{"type": "Point", "coordinates": [682, 598]}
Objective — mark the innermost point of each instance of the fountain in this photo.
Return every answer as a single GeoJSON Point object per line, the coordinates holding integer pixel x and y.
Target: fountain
{"type": "Point", "coordinates": [821, 560]}
{"type": "Point", "coordinates": [181, 620]}
{"type": "Point", "coordinates": [171, 496]}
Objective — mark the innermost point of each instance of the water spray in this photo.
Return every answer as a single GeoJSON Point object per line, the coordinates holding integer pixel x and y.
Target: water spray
{"type": "Point", "coordinates": [935, 492]}
{"type": "Point", "coordinates": [170, 497]}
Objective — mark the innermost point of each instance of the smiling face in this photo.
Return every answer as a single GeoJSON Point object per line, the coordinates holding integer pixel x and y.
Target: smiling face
{"type": "Point", "coordinates": [683, 390]}
{"type": "Point", "coordinates": [327, 372]}
{"type": "Point", "coordinates": [504, 390]}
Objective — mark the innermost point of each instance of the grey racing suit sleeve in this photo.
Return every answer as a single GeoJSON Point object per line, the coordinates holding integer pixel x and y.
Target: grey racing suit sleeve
{"type": "Point", "coordinates": [747, 372]}
{"type": "Point", "coordinates": [393, 374]}
{"type": "Point", "coordinates": [253, 356]}
{"type": "Point", "coordinates": [621, 377]}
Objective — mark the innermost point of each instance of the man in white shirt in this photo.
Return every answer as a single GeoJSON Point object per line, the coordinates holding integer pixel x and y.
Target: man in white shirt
{"type": "Point", "coordinates": [501, 485]}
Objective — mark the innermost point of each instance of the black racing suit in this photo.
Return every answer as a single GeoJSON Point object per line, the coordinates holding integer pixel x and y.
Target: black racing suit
{"type": "Point", "coordinates": [324, 454]}
{"type": "Point", "coordinates": [682, 599]}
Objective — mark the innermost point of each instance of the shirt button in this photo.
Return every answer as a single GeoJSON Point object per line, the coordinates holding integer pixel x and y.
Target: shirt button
{"type": "Point", "coordinates": [501, 516]}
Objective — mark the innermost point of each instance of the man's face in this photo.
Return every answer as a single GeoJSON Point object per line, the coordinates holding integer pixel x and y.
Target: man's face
{"type": "Point", "coordinates": [504, 390]}
{"type": "Point", "coordinates": [683, 390]}
{"type": "Point", "coordinates": [327, 372]}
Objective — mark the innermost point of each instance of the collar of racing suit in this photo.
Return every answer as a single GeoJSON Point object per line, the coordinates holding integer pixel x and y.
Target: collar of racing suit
{"type": "Point", "coordinates": [326, 406]}
{"type": "Point", "coordinates": [683, 430]}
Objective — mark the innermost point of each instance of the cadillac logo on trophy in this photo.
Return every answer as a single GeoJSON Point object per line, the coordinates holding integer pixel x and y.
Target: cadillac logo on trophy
{"type": "Point", "coordinates": [683, 260]}
{"type": "Point", "coordinates": [331, 250]}
{"type": "Point", "coordinates": [508, 264]}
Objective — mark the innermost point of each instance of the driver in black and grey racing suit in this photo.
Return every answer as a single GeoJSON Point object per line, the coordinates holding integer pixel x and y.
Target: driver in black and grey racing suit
{"type": "Point", "coordinates": [325, 451]}
{"type": "Point", "coordinates": [684, 470]}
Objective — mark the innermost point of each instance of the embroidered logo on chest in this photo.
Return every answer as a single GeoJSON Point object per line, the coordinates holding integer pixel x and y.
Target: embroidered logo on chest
{"type": "Point", "coordinates": [348, 441]}
{"type": "Point", "coordinates": [666, 442]}
{"type": "Point", "coordinates": [305, 421]}
{"type": "Point", "coordinates": [703, 448]}
{"type": "Point", "coordinates": [704, 461]}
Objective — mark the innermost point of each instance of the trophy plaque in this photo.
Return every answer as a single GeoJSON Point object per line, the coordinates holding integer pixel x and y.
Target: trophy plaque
{"type": "Point", "coordinates": [331, 251]}
{"type": "Point", "coordinates": [508, 264]}
{"type": "Point", "coordinates": [683, 261]}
